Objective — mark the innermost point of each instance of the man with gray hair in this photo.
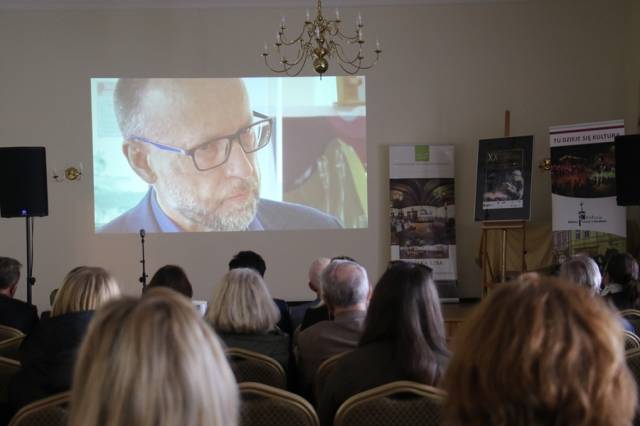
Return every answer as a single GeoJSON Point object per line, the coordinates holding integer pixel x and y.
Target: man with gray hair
{"type": "Point", "coordinates": [13, 312]}
{"type": "Point", "coordinates": [346, 292]}
{"type": "Point", "coordinates": [315, 270]}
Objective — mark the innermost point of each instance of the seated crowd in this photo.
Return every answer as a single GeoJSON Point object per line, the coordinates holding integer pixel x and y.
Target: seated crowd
{"type": "Point", "coordinates": [539, 350]}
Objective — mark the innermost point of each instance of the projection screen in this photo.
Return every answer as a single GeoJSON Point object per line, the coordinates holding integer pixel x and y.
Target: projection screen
{"type": "Point", "coordinates": [213, 154]}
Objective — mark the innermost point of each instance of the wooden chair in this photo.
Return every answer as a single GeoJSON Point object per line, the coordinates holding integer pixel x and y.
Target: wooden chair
{"type": "Point", "coordinates": [9, 332]}
{"type": "Point", "coordinates": [631, 341]}
{"type": "Point", "coordinates": [51, 411]}
{"type": "Point", "coordinates": [415, 403]}
{"type": "Point", "coordinates": [264, 405]}
{"type": "Point", "coordinates": [8, 368]}
{"type": "Point", "coordinates": [322, 374]}
{"type": "Point", "coordinates": [9, 348]}
{"type": "Point", "coordinates": [633, 316]}
{"type": "Point", "coordinates": [249, 366]}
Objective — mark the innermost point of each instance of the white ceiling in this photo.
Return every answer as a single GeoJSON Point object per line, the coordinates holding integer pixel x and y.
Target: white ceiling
{"type": "Point", "coordinates": [153, 4]}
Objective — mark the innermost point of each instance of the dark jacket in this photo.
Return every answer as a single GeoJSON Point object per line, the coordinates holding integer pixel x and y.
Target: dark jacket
{"type": "Point", "coordinates": [17, 314]}
{"type": "Point", "coordinates": [48, 357]}
{"type": "Point", "coordinates": [271, 216]}
{"type": "Point", "coordinates": [315, 315]}
{"type": "Point", "coordinates": [274, 344]}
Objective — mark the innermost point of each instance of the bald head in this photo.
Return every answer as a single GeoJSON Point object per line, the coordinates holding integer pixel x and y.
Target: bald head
{"type": "Point", "coordinates": [315, 270]}
{"type": "Point", "coordinates": [344, 284]}
{"type": "Point", "coordinates": [149, 106]}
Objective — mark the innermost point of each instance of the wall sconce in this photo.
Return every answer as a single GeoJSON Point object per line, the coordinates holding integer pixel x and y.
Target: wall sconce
{"type": "Point", "coordinates": [545, 164]}
{"type": "Point", "coordinates": [71, 173]}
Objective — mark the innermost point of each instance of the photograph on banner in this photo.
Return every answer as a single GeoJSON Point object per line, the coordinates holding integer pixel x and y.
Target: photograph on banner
{"type": "Point", "coordinates": [503, 185]}
{"type": "Point", "coordinates": [422, 207]}
{"type": "Point", "coordinates": [586, 217]}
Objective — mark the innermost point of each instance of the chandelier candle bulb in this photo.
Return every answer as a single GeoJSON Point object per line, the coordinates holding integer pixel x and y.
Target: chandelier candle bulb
{"type": "Point", "coordinates": [337, 15]}
{"type": "Point", "coordinates": [359, 22]}
{"type": "Point", "coordinates": [308, 19]}
{"type": "Point", "coordinates": [377, 45]}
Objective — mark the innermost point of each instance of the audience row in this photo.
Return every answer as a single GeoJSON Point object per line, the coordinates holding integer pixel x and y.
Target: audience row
{"type": "Point", "coordinates": [515, 360]}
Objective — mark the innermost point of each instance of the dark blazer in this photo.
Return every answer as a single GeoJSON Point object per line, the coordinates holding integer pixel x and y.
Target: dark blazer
{"type": "Point", "coordinates": [285, 324]}
{"type": "Point", "coordinates": [48, 357]}
{"type": "Point", "coordinates": [298, 311]}
{"type": "Point", "coordinates": [271, 215]}
{"type": "Point", "coordinates": [315, 315]}
{"type": "Point", "coordinates": [274, 344]}
{"type": "Point", "coordinates": [18, 314]}
{"type": "Point", "coordinates": [363, 368]}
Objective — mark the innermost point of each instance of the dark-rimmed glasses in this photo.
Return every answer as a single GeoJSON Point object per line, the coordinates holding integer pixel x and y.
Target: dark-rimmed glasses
{"type": "Point", "coordinates": [215, 153]}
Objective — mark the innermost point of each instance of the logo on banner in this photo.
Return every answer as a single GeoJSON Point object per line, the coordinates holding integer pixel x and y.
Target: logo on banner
{"type": "Point", "coordinates": [585, 219]}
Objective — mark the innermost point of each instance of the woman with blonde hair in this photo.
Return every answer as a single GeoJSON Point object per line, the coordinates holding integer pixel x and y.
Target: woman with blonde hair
{"type": "Point", "coordinates": [47, 355]}
{"type": "Point", "coordinates": [244, 315]}
{"type": "Point", "coordinates": [152, 362]}
{"type": "Point", "coordinates": [540, 352]}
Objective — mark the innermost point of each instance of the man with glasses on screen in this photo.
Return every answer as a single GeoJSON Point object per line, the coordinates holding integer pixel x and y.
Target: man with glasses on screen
{"type": "Point", "coordinates": [194, 142]}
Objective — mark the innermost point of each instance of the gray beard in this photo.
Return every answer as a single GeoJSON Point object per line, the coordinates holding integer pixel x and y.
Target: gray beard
{"type": "Point", "coordinates": [237, 219]}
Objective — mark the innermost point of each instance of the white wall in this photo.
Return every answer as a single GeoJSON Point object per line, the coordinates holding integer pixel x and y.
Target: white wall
{"type": "Point", "coordinates": [447, 74]}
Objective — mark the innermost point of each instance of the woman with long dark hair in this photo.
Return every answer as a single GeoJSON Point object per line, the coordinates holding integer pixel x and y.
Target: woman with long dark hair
{"type": "Point", "coordinates": [403, 339]}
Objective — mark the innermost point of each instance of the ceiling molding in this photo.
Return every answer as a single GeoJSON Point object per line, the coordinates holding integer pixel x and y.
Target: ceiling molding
{"type": "Point", "coordinates": [206, 4]}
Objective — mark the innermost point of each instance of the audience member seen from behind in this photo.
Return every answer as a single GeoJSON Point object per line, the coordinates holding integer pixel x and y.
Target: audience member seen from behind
{"type": "Point", "coordinates": [152, 361]}
{"type": "Point", "coordinates": [583, 271]}
{"type": "Point", "coordinates": [620, 287]}
{"type": "Point", "coordinates": [345, 291]}
{"type": "Point", "coordinates": [244, 315]}
{"type": "Point", "coordinates": [542, 352]}
{"type": "Point", "coordinates": [251, 259]}
{"type": "Point", "coordinates": [315, 269]}
{"type": "Point", "coordinates": [321, 312]}
{"type": "Point", "coordinates": [48, 354]}
{"type": "Point", "coordinates": [403, 339]}
{"type": "Point", "coordinates": [13, 312]}
{"type": "Point", "coordinates": [173, 277]}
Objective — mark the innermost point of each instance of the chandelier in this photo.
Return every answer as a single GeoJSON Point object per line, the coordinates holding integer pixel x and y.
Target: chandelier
{"type": "Point", "coordinates": [320, 40]}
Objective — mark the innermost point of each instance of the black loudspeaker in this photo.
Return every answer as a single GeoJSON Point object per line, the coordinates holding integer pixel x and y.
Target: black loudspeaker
{"type": "Point", "coordinates": [628, 170]}
{"type": "Point", "coordinates": [23, 182]}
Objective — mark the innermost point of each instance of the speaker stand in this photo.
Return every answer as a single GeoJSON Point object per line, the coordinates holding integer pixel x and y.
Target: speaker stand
{"type": "Point", "coordinates": [30, 279]}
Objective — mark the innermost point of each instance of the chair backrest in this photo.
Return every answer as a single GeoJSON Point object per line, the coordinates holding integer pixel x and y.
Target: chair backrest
{"type": "Point", "coordinates": [322, 373]}
{"type": "Point", "coordinates": [7, 332]}
{"type": "Point", "coordinates": [264, 405]}
{"type": "Point", "coordinates": [50, 411]}
{"type": "Point", "coordinates": [415, 403]}
{"type": "Point", "coordinates": [249, 366]}
{"type": "Point", "coordinates": [8, 367]}
{"type": "Point", "coordinates": [633, 362]}
{"type": "Point", "coordinates": [9, 348]}
{"type": "Point", "coordinates": [631, 341]}
{"type": "Point", "coordinates": [633, 316]}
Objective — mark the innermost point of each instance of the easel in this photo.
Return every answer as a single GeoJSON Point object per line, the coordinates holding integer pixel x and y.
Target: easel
{"type": "Point", "coordinates": [504, 227]}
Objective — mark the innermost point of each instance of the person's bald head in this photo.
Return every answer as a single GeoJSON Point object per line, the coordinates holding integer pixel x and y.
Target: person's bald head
{"type": "Point", "coordinates": [315, 270]}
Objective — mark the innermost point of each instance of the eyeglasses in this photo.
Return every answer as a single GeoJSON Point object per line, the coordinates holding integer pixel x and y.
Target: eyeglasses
{"type": "Point", "coordinates": [215, 153]}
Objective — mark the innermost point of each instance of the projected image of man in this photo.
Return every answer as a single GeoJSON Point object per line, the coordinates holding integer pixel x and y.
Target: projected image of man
{"type": "Point", "coordinates": [194, 141]}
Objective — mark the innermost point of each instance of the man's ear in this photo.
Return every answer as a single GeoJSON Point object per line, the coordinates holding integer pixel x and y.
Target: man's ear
{"type": "Point", "coordinates": [12, 289]}
{"type": "Point", "coordinates": [138, 157]}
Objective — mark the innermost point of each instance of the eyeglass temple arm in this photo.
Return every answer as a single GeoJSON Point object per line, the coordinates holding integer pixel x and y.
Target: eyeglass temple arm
{"type": "Point", "coordinates": [158, 145]}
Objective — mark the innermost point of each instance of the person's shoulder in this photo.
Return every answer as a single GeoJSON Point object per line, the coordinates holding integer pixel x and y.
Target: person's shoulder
{"type": "Point", "coordinates": [132, 220]}
{"type": "Point", "coordinates": [277, 215]}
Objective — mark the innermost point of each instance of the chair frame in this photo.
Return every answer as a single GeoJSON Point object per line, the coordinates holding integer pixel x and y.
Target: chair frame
{"type": "Point", "coordinates": [23, 414]}
{"type": "Point", "coordinates": [401, 386]}
{"type": "Point", "coordinates": [629, 336]}
{"type": "Point", "coordinates": [255, 356]}
{"type": "Point", "coordinates": [9, 331]}
{"type": "Point", "coordinates": [266, 391]}
{"type": "Point", "coordinates": [12, 343]}
{"type": "Point", "coordinates": [323, 372]}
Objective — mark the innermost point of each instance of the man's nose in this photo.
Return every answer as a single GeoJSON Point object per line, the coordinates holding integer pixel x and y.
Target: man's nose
{"type": "Point", "coordinates": [239, 164]}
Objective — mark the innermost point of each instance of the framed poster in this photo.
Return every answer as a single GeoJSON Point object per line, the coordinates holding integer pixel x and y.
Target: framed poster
{"type": "Point", "coordinates": [503, 185]}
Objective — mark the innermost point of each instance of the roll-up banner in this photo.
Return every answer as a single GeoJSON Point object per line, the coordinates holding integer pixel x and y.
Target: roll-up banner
{"type": "Point", "coordinates": [586, 218]}
{"type": "Point", "coordinates": [422, 214]}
